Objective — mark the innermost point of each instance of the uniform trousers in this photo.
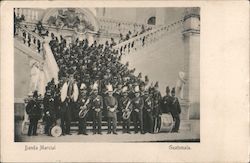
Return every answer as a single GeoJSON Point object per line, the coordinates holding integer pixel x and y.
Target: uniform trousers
{"type": "Point", "coordinates": [33, 126]}
{"type": "Point", "coordinates": [112, 118]}
{"type": "Point", "coordinates": [97, 121]}
{"type": "Point", "coordinates": [66, 117]}
{"type": "Point", "coordinates": [148, 121]}
{"type": "Point", "coordinates": [176, 123]}
{"type": "Point", "coordinates": [82, 124]}
{"type": "Point", "coordinates": [138, 117]}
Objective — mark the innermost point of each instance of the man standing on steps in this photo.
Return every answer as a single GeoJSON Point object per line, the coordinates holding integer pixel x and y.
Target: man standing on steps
{"type": "Point", "coordinates": [166, 101]}
{"type": "Point", "coordinates": [69, 95]}
{"type": "Point", "coordinates": [138, 104]}
{"type": "Point", "coordinates": [33, 109]}
{"type": "Point", "coordinates": [125, 107]}
{"type": "Point", "coordinates": [157, 107]}
{"type": "Point", "coordinates": [83, 105]}
{"type": "Point", "coordinates": [49, 110]}
{"type": "Point", "coordinates": [175, 111]}
{"type": "Point", "coordinates": [148, 112]}
{"type": "Point", "coordinates": [97, 108]}
{"type": "Point", "coordinates": [111, 104]}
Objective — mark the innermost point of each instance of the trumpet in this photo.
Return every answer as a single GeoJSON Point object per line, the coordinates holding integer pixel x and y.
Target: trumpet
{"type": "Point", "coordinates": [126, 114]}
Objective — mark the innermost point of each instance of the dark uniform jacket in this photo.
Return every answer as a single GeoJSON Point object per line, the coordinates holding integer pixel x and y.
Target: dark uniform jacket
{"type": "Point", "coordinates": [97, 102]}
{"type": "Point", "coordinates": [138, 103]}
{"type": "Point", "coordinates": [49, 107]}
{"type": "Point", "coordinates": [33, 109]}
{"type": "Point", "coordinates": [148, 104]}
{"type": "Point", "coordinates": [123, 101]}
{"type": "Point", "coordinates": [157, 106]}
{"type": "Point", "coordinates": [175, 106]}
{"type": "Point", "coordinates": [82, 101]}
{"type": "Point", "coordinates": [166, 103]}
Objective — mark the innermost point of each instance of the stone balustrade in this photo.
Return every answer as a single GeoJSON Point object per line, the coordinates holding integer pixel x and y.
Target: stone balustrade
{"type": "Point", "coordinates": [146, 38]}
{"type": "Point", "coordinates": [110, 25]}
{"type": "Point", "coordinates": [31, 39]}
{"type": "Point", "coordinates": [30, 14]}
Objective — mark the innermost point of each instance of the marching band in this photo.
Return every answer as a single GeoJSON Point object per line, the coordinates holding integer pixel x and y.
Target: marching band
{"type": "Point", "coordinates": [66, 102]}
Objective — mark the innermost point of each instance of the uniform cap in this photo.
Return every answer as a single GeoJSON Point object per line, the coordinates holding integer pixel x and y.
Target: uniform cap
{"type": "Point", "coordinates": [173, 90]}
{"type": "Point", "coordinates": [95, 86]}
{"type": "Point", "coordinates": [124, 89]}
{"type": "Point", "coordinates": [83, 86]}
{"type": "Point", "coordinates": [137, 89]}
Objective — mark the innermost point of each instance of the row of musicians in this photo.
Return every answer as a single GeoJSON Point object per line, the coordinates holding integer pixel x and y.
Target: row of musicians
{"type": "Point", "coordinates": [144, 110]}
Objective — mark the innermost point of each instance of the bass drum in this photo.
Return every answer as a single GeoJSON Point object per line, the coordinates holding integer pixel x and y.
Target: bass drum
{"type": "Point", "coordinates": [55, 131]}
{"type": "Point", "coordinates": [167, 123]}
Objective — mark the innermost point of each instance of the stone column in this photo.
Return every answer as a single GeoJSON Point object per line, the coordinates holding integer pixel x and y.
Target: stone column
{"type": "Point", "coordinates": [160, 16]}
{"type": "Point", "coordinates": [191, 38]}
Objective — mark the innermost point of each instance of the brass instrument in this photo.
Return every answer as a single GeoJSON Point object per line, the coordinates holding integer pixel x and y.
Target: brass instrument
{"type": "Point", "coordinates": [127, 112]}
{"type": "Point", "coordinates": [83, 109]}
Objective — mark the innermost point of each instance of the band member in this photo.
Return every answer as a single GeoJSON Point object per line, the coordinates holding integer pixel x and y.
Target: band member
{"type": "Point", "coordinates": [69, 95]}
{"type": "Point", "coordinates": [111, 104]}
{"type": "Point", "coordinates": [148, 112]}
{"type": "Point", "coordinates": [126, 109]}
{"type": "Point", "coordinates": [138, 104]}
{"type": "Point", "coordinates": [157, 107]}
{"type": "Point", "coordinates": [175, 111]}
{"type": "Point", "coordinates": [97, 108]}
{"type": "Point", "coordinates": [49, 110]}
{"type": "Point", "coordinates": [83, 105]}
{"type": "Point", "coordinates": [33, 109]}
{"type": "Point", "coordinates": [166, 101]}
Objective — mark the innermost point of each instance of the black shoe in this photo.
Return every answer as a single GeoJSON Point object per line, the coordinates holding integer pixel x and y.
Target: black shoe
{"type": "Point", "coordinates": [34, 134]}
{"type": "Point", "coordinates": [109, 132]}
{"type": "Point", "coordinates": [29, 134]}
{"type": "Point", "coordinates": [115, 133]}
{"type": "Point", "coordinates": [68, 134]}
{"type": "Point", "coordinates": [136, 132]}
{"type": "Point", "coordinates": [99, 133]}
{"type": "Point", "coordinates": [84, 133]}
{"type": "Point", "coordinates": [129, 132]}
{"type": "Point", "coordinates": [79, 133]}
{"type": "Point", "coordinates": [142, 132]}
{"type": "Point", "coordinates": [63, 134]}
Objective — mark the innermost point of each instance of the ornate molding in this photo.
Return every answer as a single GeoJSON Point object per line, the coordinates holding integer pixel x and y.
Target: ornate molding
{"type": "Point", "coordinates": [89, 16]}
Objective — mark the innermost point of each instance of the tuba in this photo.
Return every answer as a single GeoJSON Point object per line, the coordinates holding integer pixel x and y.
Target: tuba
{"type": "Point", "coordinates": [83, 109]}
{"type": "Point", "coordinates": [126, 114]}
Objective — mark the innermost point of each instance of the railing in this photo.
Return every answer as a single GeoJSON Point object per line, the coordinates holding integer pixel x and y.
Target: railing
{"type": "Point", "coordinates": [110, 25]}
{"type": "Point", "coordinates": [31, 39]}
{"type": "Point", "coordinates": [30, 14]}
{"type": "Point", "coordinates": [38, 44]}
{"type": "Point", "coordinates": [146, 38]}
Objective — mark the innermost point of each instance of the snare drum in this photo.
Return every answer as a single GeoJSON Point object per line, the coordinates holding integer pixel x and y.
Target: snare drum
{"type": "Point", "coordinates": [167, 123]}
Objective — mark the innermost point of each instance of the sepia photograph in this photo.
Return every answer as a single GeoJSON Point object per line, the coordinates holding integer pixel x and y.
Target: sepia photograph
{"type": "Point", "coordinates": [107, 74]}
{"type": "Point", "coordinates": [124, 81]}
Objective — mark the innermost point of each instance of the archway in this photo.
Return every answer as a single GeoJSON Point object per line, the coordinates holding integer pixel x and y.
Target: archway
{"type": "Point", "coordinates": [152, 20]}
{"type": "Point", "coordinates": [87, 15]}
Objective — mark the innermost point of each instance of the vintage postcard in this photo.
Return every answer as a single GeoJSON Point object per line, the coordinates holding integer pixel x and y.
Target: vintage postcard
{"type": "Point", "coordinates": [117, 81]}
